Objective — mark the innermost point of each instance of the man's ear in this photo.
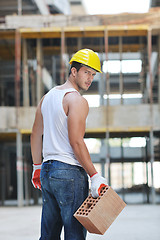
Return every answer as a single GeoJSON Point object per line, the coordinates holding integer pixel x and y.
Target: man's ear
{"type": "Point", "coordinates": [73, 71]}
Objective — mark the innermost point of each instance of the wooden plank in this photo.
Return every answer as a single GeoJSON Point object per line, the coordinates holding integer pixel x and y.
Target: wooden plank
{"type": "Point", "coordinates": [7, 34]}
{"type": "Point", "coordinates": [86, 31]}
{"type": "Point", "coordinates": [49, 50]}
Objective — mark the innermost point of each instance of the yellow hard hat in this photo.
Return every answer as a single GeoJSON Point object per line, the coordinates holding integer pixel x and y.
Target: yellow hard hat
{"type": "Point", "coordinates": [88, 58]}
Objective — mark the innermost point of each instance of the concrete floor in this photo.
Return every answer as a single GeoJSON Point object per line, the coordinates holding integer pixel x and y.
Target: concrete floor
{"type": "Point", "coordinates": [136, 222]}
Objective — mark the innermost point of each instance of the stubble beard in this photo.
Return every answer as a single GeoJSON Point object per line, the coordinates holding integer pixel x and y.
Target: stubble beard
{"type": "Point", "coordinates": [81, 88]}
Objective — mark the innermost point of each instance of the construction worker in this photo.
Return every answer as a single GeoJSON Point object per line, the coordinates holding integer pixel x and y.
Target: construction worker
{"type": "Point", "coordinates": [63, 177]}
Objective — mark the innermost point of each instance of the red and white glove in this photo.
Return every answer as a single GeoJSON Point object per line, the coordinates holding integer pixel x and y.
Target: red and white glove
{"type": "Point", "coordinates": [97, 183]}
{"type": "Point", "coordinates": [36, 176]}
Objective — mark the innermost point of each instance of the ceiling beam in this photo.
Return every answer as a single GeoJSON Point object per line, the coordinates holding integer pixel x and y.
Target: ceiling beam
{"type": "Point", "coordinates": [92, 31]}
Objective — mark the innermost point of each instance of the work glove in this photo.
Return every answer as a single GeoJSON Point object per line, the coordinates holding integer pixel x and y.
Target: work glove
{"type": "Point", "coordinates": [97, 183]}
{"type": "Point", "coordinates": [36, 176]}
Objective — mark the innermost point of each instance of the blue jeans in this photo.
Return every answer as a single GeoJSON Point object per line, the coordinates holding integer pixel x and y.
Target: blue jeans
{"type": "Point", "coordinates": [64, 188]}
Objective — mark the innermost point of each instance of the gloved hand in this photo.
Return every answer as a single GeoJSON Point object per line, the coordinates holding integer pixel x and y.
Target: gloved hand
{"type": "Point", "coordinates": [97, 182]}
{"type": "Point", "coordinates": [36, 176]}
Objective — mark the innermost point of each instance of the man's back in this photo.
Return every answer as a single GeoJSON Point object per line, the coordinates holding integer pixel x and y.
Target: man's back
{"type": "Point", "coordinates": [56, 143]}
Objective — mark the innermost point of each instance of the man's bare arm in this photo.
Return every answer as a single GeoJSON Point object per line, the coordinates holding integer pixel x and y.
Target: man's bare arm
{"type": "Point", "coordinates": [77, 114]}
{"type": "Point", "coordinates": [36, 136]}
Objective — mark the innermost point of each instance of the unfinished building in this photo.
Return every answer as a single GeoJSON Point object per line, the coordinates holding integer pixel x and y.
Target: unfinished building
{"type": "Point", "coordinates": [34, 55]}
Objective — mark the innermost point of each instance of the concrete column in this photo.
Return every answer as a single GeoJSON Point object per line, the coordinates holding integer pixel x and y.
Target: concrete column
{"type": "Point", "coordinates": [19, 169]}
{"type": "Point", "coordinates": [25, 75]}
{"type": "Point", "coordinates": [39, 70]}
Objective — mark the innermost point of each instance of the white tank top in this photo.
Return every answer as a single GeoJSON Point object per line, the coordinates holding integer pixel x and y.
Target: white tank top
{"type": "Point", "coordinates": [56, 145]}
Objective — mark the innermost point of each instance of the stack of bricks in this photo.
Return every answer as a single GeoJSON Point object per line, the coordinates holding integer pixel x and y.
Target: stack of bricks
{"type": "Point", "coordinates": [97, 214]}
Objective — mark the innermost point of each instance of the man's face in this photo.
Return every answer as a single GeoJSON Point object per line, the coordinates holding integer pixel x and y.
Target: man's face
{"type": "Point", "coordinates": [85, 77]}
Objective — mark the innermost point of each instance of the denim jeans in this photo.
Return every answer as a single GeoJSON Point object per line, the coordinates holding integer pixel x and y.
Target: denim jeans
{"type": "Point", "coordinates": [64, 188]}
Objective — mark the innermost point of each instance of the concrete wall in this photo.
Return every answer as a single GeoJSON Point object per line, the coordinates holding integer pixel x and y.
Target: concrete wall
{"type": "Point", "coordinates": [116, 118]}
{"type": "Point", "coordinates": [21, 118]}
{"type": "Point", "coordinates": [124, 118]}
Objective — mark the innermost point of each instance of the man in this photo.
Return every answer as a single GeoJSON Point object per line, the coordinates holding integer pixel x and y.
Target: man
{"type": "Point", "coordinates": [60, 119]}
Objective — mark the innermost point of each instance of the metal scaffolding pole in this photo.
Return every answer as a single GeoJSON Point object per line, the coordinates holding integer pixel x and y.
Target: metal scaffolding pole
{"type": "Point", "coordinates": [79, 43]}
{"type": "Point", "coordinates": [26, 177]}
{"type": "Point", "coordinates": [150, 71]}
{"type": "Point", "coordinates": [19, 7]}
{"type": "Point", "coordinates": [39, 70]}
{"type": "Point", "coordinates": [101, 82]}
{"type": "Point", "coordinates": [102, 158]}
{"type": "Point", "coordinates": [3, 174]}
{"type": "Point", "coordinates": [19, 169]}
{"type": "Point", "coordinates": [17, 67]}
{"type": "Point", "coordinates": [122, 159]}
{"type": "Point", "coordinates": [107, 116]}
{"type": "Point", "coordinates": [101, 88]}
{"type": "Point", "coordinates": [62, 70]}
{"type": "Point", "coordinates": [153, 194]}
{"type": "Point", "coordinates": [159, 70]}
{"type": "Point", "coordinates": [142, 77]}
{"type": "Point", "coordinates": [33, 87]}
{"type": "Point", "coordinates": [107, 73]}
{"type": "Point", "coordinates": [146, 156]}
{"type": "Point", "coordinates": [120, 74]}
{"type": "Point", "coordinates": [132, 173]}
{"type": "Point", "coordinates": [25, 75]}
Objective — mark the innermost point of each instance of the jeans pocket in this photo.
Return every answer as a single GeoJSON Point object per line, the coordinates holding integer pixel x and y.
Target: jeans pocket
{"type": "Point", "coordinates": [63, 190]}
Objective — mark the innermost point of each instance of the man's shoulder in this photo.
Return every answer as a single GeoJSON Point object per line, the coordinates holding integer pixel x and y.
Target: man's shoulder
{"type": "Point", "coordinates": [75, 97]}
{"type": "Point", "coordinates": [78, 104]}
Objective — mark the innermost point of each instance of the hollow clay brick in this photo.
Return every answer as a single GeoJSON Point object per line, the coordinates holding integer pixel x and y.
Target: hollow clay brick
{"type": "Point", "coordinates": [97, 214]}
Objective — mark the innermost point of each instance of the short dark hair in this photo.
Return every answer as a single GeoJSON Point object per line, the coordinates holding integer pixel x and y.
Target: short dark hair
{"type": "Point", "coordinates": [77, 65]}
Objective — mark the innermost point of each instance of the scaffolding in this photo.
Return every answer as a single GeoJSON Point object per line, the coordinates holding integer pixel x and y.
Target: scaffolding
{"type": "Point", "coordinates": [61, 36]}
